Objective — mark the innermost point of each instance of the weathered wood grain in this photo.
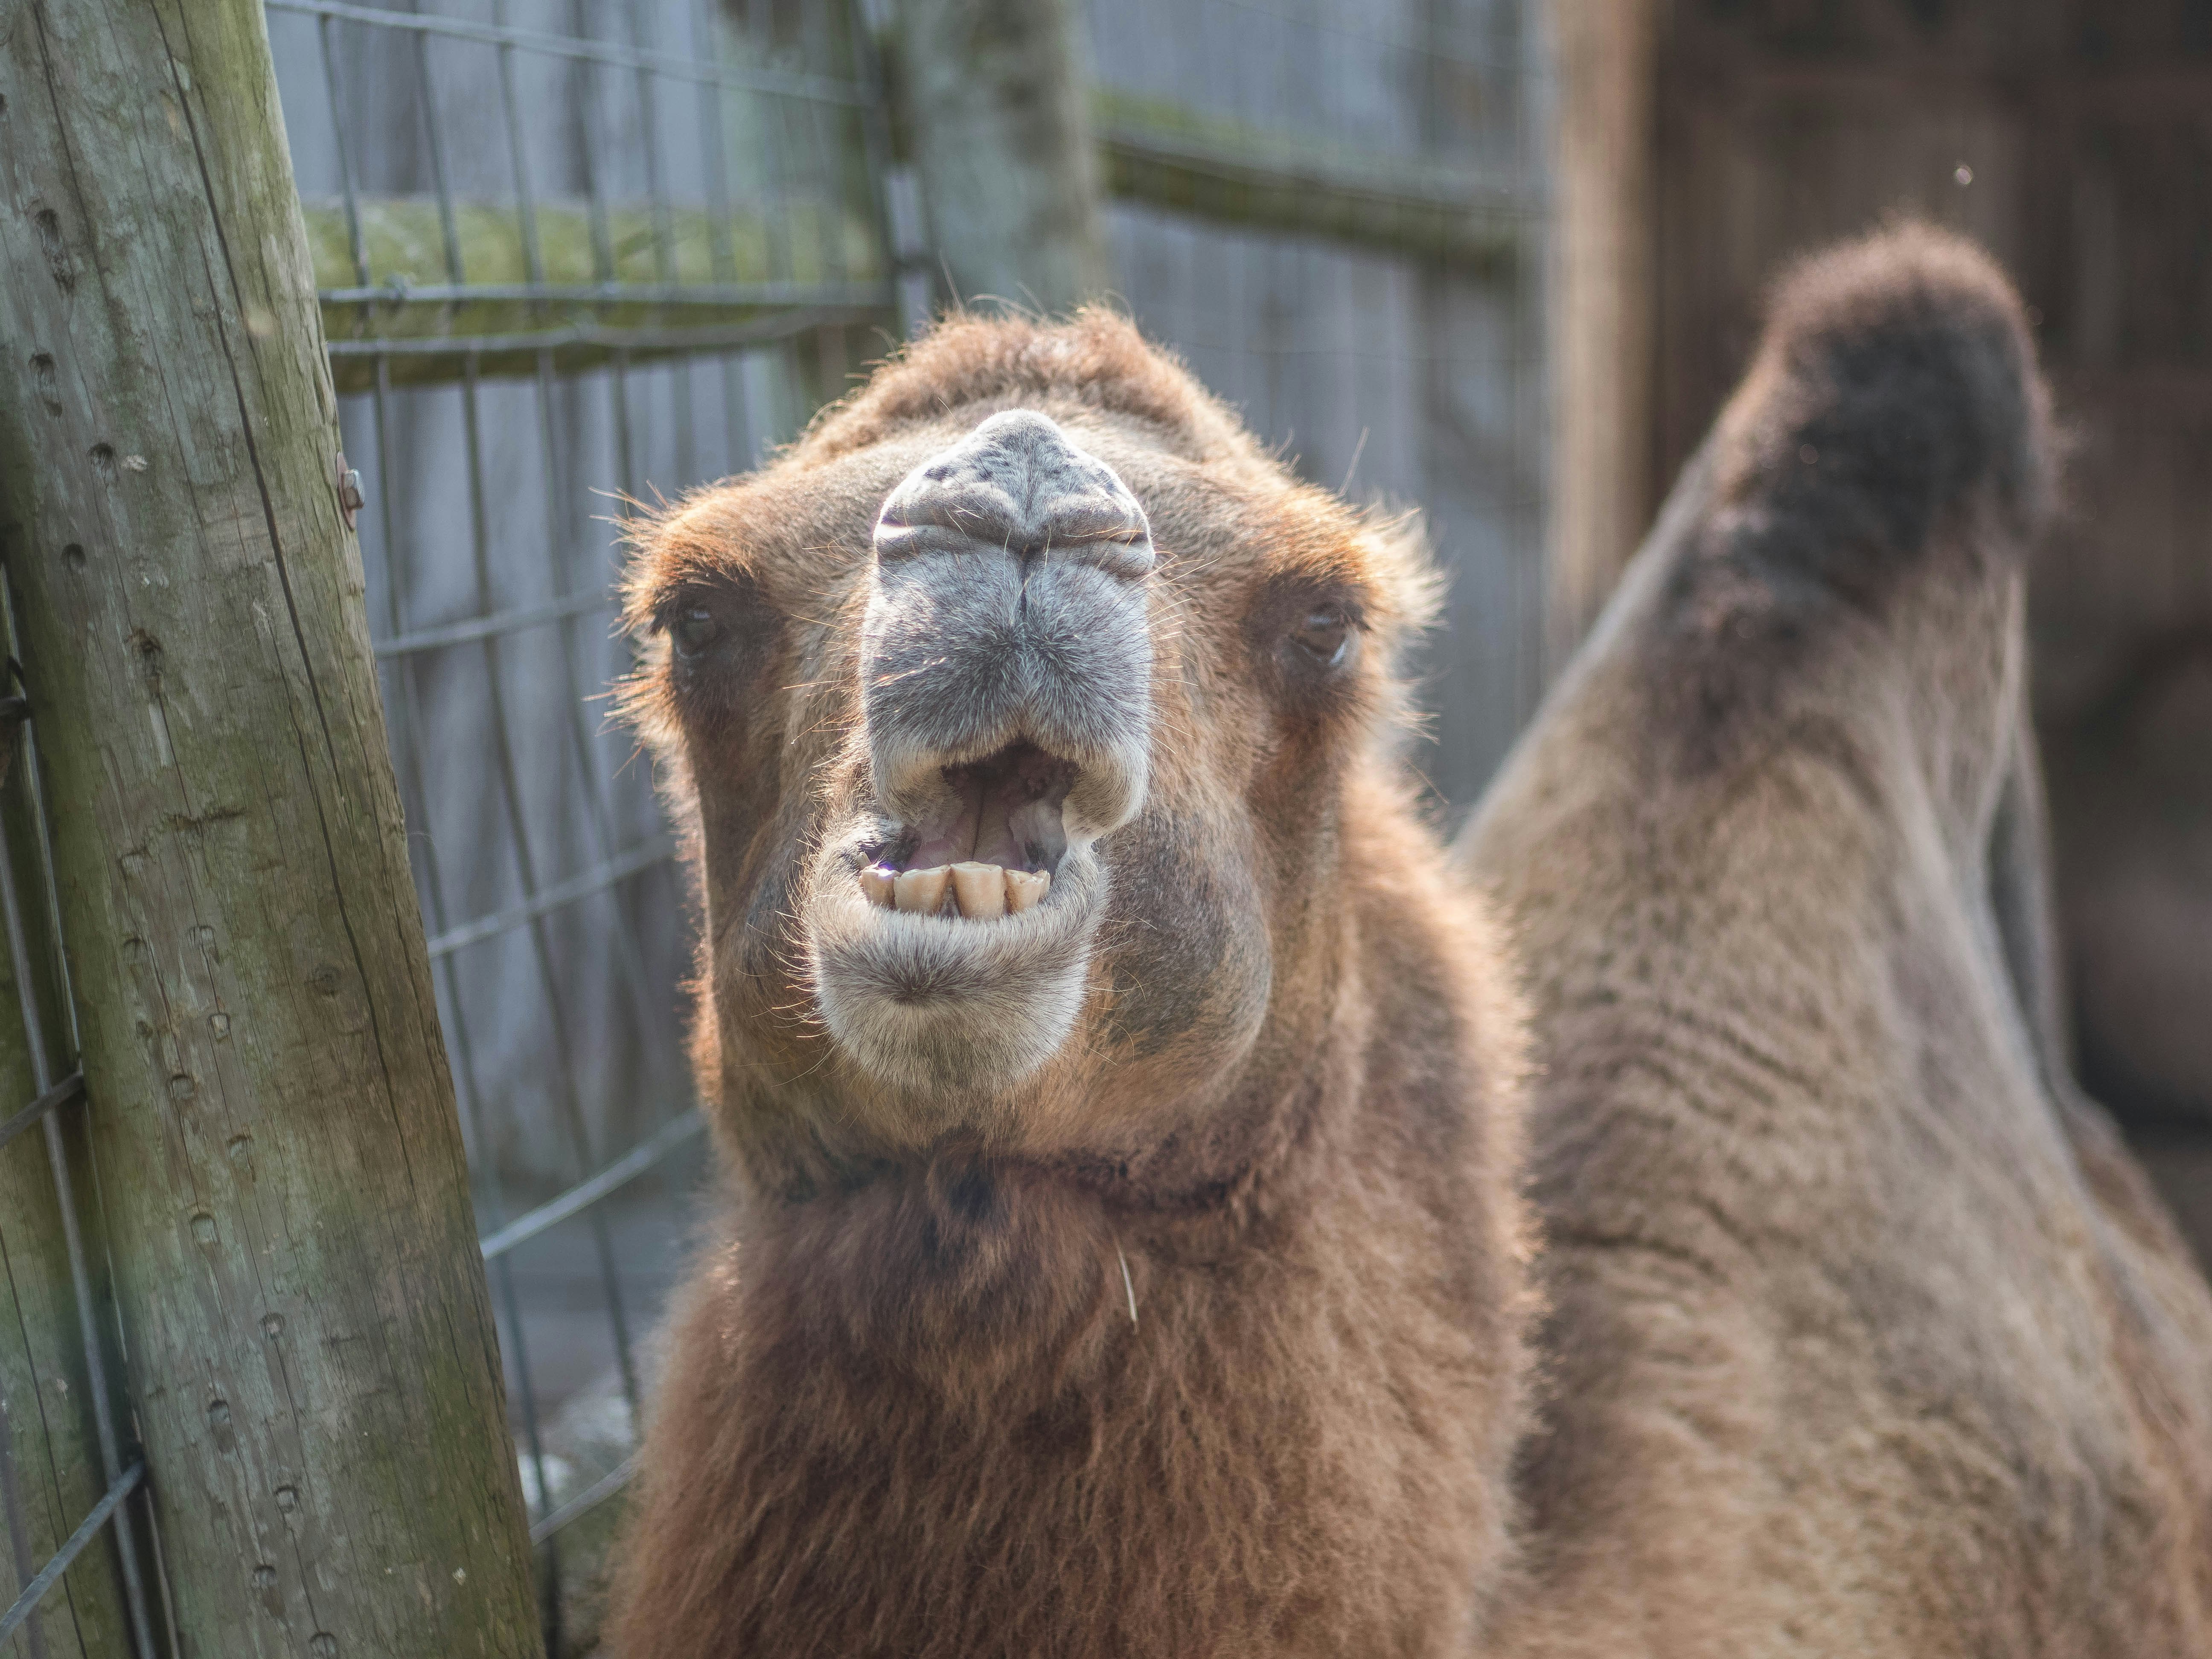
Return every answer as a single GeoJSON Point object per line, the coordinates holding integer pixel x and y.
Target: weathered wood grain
{"type": "Point", "coordinates": [999, 136]}
{"type": "Point", "coordinates": [311, 1349]}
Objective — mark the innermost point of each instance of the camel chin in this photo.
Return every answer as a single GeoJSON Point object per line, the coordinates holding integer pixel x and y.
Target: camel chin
{"type": "Point", "coordinates": [974, 985]}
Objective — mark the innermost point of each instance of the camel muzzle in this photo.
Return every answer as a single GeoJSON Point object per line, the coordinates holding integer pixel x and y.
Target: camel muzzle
{"type": "Point", "coordinates": [1005, 678]}
{"type": "Point", "coordinates": [1005, 657]}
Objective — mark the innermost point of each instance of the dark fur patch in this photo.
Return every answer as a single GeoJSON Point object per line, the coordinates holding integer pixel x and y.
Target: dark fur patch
{"type": "Point", "coordinates": [1896, 384]}
{"type": "Point", "coordinates": [1894, 413]}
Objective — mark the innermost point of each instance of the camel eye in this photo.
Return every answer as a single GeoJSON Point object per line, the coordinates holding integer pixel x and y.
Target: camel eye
{"type": "Point", "coordinates": [695, 629]}
{"type": "Point", "coordinates": [721, 633]}
{"type": "Point", "coordinates": [1324, 633]}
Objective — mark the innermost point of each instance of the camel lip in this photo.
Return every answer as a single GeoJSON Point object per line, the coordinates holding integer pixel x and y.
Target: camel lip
{"type": "Point", "coordinates": [940, 998]}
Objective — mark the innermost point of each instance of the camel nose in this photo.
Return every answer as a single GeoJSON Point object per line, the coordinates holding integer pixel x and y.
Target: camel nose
{"type": "Point", "coordinates": [1009, 603]}
{"type": "Point", "coordinates": [1016, 485]}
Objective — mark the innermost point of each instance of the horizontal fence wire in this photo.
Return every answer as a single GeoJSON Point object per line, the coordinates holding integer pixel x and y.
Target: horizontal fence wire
{"type": "Point", "coordinates": [561, 895]}
{"type": "Point", "coordinates": [674, 65]}
{"type": "Point", "coordinates": [448, 634]}
{"type": "Point", "coordinates": [609, 1484]}
{"type": "Point", "coordinates": [69, 1089]}
{"type": "Point", "coordinates": [1265, 178]}
{"type": "Point", "coordinates": [397, 290]}
{"type": "Point", "coordinates": [657, 1149]}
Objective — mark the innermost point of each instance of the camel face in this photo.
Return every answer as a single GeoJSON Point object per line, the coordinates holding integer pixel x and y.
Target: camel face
{"type": "Point", "coordinates": [1004, 672]}
{"type": "Point", "coordinates": [1013, 728]}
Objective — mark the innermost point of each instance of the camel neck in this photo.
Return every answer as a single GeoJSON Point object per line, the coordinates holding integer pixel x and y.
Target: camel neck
{"type": "Point", "coordinates": [944, 1427]}
{"type": "Point", "coordinates": [927, 1423]}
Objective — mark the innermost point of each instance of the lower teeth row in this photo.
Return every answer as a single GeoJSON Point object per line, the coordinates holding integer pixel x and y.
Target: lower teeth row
{"type": "Point", "coordinates": [977, 891]}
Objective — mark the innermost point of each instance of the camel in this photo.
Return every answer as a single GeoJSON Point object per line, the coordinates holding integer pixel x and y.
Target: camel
{"type": "Point", "coordinates": [1119, 1105]}
{"type": "Point", "coordinates": [1863, 1335]}
{"type": "Point", "coordinates": [1121, 1099]}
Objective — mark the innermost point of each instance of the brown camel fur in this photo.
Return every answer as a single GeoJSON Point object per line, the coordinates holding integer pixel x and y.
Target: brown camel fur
{"type": "Point", "coordinates": [1865, 1334]}
{"type": "Point", "coordinates": [1137, 1273]}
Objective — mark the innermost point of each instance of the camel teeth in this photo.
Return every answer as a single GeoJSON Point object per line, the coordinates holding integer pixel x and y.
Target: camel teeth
{"type": "Point", "coordinates": [1024, 888]}
{"type": "Point", "coordinates": [922, 892]}
{"type": "Point", "coordinates": [979, 890]}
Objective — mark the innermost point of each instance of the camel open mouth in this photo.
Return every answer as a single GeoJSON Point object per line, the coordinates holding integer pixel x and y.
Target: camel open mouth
{"type": "Point", "coordinates": [993, 850]}
{"type": "Point", "coordinates": [950, 938]}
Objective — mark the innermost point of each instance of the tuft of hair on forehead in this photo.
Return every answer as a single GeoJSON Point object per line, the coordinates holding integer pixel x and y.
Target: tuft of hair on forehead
{"type": "Point", "coordinates": [1095, 360]}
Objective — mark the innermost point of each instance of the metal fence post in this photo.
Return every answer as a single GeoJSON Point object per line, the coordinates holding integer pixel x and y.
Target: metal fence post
{"type": "Point", "coordinates": [310, 1344]}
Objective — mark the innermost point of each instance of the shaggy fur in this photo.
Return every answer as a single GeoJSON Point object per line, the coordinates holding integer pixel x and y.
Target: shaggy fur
{"type": "Point", "coordinates": [1864, 1335]}
{"type": "Point", "coordinates": [908, 1409]}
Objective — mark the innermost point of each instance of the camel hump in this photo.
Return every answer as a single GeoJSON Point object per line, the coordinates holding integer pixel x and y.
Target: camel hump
{"type": "Point", "coordinates": [1894, 390]}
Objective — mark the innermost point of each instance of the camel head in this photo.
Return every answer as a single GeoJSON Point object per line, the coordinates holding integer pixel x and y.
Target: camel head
{"type": "Point", "coordinates": [1014, 714]}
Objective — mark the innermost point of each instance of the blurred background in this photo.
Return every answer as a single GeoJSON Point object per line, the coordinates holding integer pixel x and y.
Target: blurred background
{"type": "Point", "coordinates": [1497, 260]}
{"type": "Point", "coordinates": [1700, 143]}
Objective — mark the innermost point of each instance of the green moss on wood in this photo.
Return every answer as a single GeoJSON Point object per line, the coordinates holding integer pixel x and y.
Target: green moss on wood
{"type": "Point", "coordinates": [1168, 156]}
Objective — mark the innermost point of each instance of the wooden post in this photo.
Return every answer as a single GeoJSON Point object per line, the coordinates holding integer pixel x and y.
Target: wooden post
{"type": "Point", "coordinates": [992, 110]}
{"type": "Point", "coordinates": [312, 1359]}
{"type": "Point", "coordinates": [1601, 324]}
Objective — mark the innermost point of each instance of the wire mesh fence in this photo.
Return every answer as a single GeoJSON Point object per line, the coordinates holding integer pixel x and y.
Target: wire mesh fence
{"type": "Point", "coordinates": [70, 1474]}
{"type": "Point", "coordinates": [570, 255]}
{"type": "Point", "coordinates": [628, 246]}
